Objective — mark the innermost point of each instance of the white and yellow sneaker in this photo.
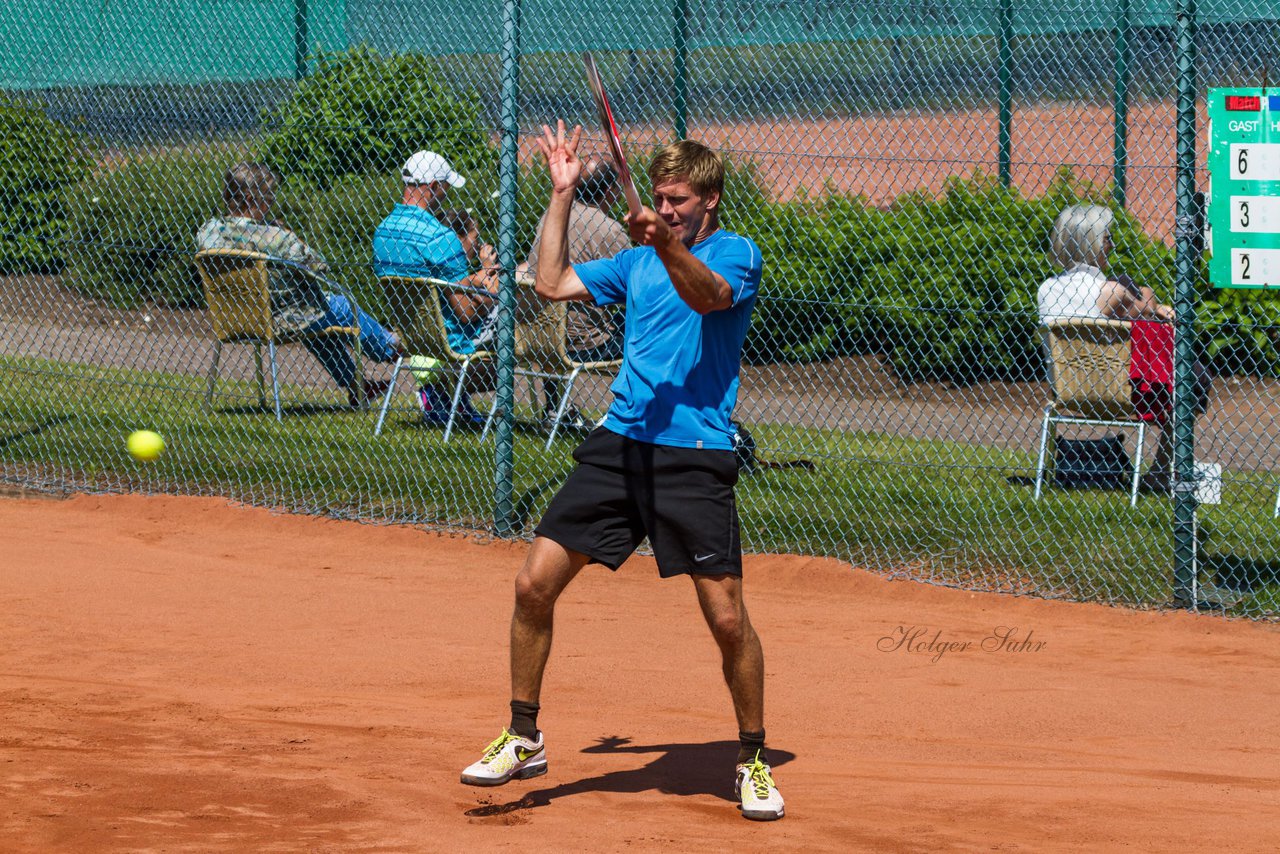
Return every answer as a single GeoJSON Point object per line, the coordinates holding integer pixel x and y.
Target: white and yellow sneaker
{"type": "Point", "coordinates": [760, 798]}
{"type": "Point", "coordinates": [508, 757]}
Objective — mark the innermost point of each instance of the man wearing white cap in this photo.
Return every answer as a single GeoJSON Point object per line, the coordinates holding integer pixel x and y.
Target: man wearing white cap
{"type": "Point", "coordinates": [412, 241]}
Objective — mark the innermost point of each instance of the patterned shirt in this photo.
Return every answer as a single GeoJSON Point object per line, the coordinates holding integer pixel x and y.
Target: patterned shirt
{"type": "Point", "coordinates": [297, 301]}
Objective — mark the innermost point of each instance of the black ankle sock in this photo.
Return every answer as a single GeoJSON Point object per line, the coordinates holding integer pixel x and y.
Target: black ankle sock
{"type": "Point", "coordinates": [751, 744]}
{"type": "Point", "coordinates": [524, 719]}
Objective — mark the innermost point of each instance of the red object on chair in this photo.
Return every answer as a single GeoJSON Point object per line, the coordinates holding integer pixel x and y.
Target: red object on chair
{"type": "Point", "coordinates": [1151, 369]}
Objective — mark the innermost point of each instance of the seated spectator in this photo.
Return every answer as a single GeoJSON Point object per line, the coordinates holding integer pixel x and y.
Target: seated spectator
{"type": "Point", "coordinates": [471, 316]}
{"type": "Point", "coordinates": [298, 304]}
{"type": "Point", "coordinates": [414, 241]}
{"type": "Point", "coordinates": [1080, 245]}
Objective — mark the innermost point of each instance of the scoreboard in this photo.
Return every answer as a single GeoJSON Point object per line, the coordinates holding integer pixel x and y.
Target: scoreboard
{"type": "Point", "coordinates": [1244, 188]}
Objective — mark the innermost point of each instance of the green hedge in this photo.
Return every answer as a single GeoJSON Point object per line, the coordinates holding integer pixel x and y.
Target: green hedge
{"type": "Point", "coordinates": [134, 224]}
{"type": "Point", "coordinates": [359, 113]}
{"type": "Point", "coordinates": [942, 288]}
{"type": "Point", "coordinates": [945, 288]}
{"type": "Point", "coordinates": [40, 162]}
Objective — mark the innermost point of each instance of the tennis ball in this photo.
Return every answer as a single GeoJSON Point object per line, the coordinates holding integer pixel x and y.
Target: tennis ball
{"type": "Point", "coordinates": [145, 445]}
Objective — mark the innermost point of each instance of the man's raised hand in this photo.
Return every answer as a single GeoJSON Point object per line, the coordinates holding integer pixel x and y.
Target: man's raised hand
{"type": "Point", "coordinates": [562, 156]}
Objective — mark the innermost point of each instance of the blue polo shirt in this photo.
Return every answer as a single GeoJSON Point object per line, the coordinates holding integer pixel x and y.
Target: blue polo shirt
{"type": "Point", "coordinates": [679, 378]}
{"type": "Point", "coordinates": [412, 242]}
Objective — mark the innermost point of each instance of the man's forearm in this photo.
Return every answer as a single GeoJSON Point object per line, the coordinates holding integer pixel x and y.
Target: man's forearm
{"type": "Point", "coordinates": [553, 252]}
{"type": "Point", "coordinates": [701, 289]}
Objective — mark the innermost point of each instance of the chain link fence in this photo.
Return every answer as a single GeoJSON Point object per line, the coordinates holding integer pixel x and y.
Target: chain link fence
{"type": "Point", "coordinates": [901, 166]}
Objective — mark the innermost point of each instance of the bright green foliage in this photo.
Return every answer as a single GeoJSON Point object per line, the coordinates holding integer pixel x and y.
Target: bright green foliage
{"type": "Point", "coordinates": [40, 160]}
{"type": "Point", "coordinates": [1241, 331]}
{"type": "Point", "coordinates": [360, 113]}
{"type": "Point", "coordinates": [135, 223]}
{"type": "Point", "coordinates": [943, 287]}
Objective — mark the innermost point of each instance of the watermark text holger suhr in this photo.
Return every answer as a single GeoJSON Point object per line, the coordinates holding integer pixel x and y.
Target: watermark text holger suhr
{"type": "Point", "coordinates": [933, 644]}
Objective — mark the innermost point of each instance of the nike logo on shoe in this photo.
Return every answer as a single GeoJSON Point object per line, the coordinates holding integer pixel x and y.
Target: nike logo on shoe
{"type": "Point", "coordinates": [525, 755]}
{"type": "Point", "coordinates": [701, 558]}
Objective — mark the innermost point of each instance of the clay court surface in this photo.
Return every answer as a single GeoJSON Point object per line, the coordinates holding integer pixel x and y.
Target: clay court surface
{"type": "Point", "coordinates": [182, 674]}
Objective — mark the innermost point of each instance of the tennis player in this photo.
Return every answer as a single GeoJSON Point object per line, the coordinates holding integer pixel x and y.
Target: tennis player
{"type": "Point", "coordinates": [662, 464]}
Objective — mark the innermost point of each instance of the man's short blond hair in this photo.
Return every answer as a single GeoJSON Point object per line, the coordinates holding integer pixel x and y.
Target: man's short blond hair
{"type": "Point", "coordinates": [690, 161]}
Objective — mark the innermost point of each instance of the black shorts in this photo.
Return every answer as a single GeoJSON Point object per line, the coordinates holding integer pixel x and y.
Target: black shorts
{"type": "Point", "coordinates": [624, 490]}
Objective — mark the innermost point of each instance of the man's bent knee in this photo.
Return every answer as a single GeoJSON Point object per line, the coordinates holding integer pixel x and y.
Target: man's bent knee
{"type": "Point", "coordinates": [533, 594]}
{"type": "Point", "coordinates": [544, 575]}
{"type": "Point", "coordinates": [729, 625]}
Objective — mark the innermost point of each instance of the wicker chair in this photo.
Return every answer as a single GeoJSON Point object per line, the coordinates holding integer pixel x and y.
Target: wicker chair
{"type": "Point", "coordinates": [237, 293]}
{"type": "Point", "coordinates": [541, 351]}
{"type": "Point", "coordinates": [1089, 376]}
{"type": "Point", "coordinates": [413, 306]}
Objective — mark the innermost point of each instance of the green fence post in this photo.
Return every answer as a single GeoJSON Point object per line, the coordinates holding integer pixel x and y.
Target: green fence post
{"type": "Point", "coordinates": [680, 40]}
{"type": "Point", "coordinates": [300, 39]}
{"type": "Point", "coordinates": [1004, 38]}
{"type": "Point", "coordinates": [1185, 240]}
{"type": "Point", "coordinates": [1124, 55]}
{"type": "Point", "coordinates": [509, 178]}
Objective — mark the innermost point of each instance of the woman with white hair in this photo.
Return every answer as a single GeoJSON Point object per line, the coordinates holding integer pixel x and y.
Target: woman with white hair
{"type": "Point", "coordinates": [1080, 243]}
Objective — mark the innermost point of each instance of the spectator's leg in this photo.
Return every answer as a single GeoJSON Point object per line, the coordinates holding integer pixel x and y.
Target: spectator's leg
{"type": "Point", "coordinates": [333, 354]}
{"type": "Point", "coordinates": [1202, 385]}
{"type": "Point", "coordinates": [552, 391]}
{"type": "Point", "coordinates": [1162, 465]}
{"type": "Point", "coordinates": [375, 340]}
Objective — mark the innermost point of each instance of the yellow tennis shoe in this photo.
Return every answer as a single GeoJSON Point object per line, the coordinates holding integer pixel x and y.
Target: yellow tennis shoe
{"type": "Point", "coordinates": [508, 757]}
{"type": "Point", "coordinates": [759, 796]}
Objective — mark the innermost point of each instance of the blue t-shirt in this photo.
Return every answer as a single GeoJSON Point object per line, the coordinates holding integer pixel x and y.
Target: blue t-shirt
{"type": "Point", "coordinates": [679, 377]}
{"type": "Point", "coordinates": [412, 242]}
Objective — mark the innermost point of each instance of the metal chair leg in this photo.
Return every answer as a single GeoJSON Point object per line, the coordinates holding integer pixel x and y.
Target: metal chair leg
{"type": "Point", "coordinates": [1044, 445]}
{"type": "Point", "coordinates": [386, 398]}
{"type": "Point", "coordinates": [457, 396]}
{"type": "Point", "coordinates": [562, 406]}
{"type": "Point", "coordinates": [1137, 464]}
{"type": "Point", "coordinates": [488, 421]}
{"type": "Point", "coordinates": [275, 380]}
{"type": "Point", "coordinates": [213, 374]}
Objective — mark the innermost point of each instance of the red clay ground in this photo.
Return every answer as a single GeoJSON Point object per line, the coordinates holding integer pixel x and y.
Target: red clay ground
{"type": "Point", "coordinates": [180, 674]}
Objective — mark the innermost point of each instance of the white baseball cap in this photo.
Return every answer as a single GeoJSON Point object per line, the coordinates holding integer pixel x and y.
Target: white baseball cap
{"type": "Point", "coordinates": [427, 166]}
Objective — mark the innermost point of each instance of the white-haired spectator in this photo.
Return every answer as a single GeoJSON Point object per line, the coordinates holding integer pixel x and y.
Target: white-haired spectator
{"type": "Point", "coordinates": [1080, 245]}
